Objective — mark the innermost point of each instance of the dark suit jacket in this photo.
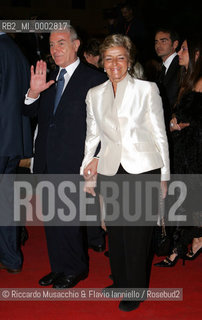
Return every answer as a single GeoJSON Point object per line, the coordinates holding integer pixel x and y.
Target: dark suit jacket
{"type": "Point", "coordinates": [60, 142]}
{"type": "Point", "coordinates": [171, 81]}
{"type": "Point", "coordinates": [15, 131]}
{"type": "Point", "coordinates": [169, 89]}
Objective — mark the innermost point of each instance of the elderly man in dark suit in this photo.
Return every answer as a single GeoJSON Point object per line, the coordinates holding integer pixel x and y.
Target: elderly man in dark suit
{"type": "Point", "coordinates": [16, 140]}
{"type": "Point", "coordinates": [59, 147]}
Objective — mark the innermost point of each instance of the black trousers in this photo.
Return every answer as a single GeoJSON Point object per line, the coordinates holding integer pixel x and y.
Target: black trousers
{"type": "Point", "coordinates": [66, 243]}
{"type": "Point", "coordinates": [68, 246]}
{"type": "Point", "coordinates": [130, 251]}
{"type": "Point", "coordinates": [130, 255]}
{"type": "Point", "coordinates": [66, 249]}
{"type": "Point", "coordinates": [95, 234]}
{"type": "Point", "coordinates": [10, 251]}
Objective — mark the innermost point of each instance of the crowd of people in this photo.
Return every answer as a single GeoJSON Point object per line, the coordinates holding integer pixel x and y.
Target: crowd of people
{"type": "Point", "coordinates": [101, 111]}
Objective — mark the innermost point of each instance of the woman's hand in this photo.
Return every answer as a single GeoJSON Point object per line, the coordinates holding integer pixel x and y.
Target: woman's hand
{"type": "Point", "coordinates": [177, 126]}
{"type": "Point", "coordinates": [90, 176]}
{"type": "Point", "coordinates": [164, 189]}
{"type": "Point", "coordinates": [91, 169]}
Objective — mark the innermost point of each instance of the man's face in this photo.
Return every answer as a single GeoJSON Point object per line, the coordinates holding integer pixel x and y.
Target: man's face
{"type": "Point", "coordinates": [63, 50]}
{"type": "Point", "coordinates": [164, 46]}
{"type": "Point", "coordinates": [127, 14]}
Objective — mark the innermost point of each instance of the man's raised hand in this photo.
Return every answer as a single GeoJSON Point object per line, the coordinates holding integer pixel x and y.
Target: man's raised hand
{"type": "Point", "coordinates": [38, 80]}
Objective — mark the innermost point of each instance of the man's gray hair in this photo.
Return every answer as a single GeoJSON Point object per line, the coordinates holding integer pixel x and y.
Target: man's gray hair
{"type": "Point", "coordinates": [68, 28]}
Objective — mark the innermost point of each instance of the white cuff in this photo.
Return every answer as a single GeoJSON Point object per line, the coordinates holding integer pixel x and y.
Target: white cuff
{"type": "Point", "coordinates": [29, 100]}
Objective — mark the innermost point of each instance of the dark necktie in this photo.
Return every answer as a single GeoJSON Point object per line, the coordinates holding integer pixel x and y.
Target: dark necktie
{"type": "Point", "coordinates": [162, 73]}
{"type": "Point", "coordinates": [60, 86]}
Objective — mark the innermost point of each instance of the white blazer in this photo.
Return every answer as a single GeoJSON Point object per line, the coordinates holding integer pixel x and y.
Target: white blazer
{"type": "Point", "coordinates": [130, 127]}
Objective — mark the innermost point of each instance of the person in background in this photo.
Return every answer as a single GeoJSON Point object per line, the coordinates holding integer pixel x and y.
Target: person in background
{"type": "Point", "coordinates": [16, 140]}
{"type": "Point", "coordinates": [133, 141]}
{"type": "Point", "coordinates": [167, 79]}
{"type": "Point", "coordinates": [125, 19]}
{"type": "Point", "coordinates": [91, 53]}
{"type": "Point", "coordinates": [135, 29]}
{"type": "Point", "coordinates": [186, 128]}
{"type": "Point", "coordinates": [166, 44]}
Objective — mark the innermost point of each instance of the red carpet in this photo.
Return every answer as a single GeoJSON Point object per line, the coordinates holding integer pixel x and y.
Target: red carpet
{"type": "Point", "coordinates": [36, 265]}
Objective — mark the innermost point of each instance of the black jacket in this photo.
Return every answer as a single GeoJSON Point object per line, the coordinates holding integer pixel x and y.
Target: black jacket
{"type": "Point", "coordinates": [59, 146]}
{"type": "Point", "coordinates": [188, 142]}
{"type": "Point", "coordinates": [169, 89]}
{"type": "Point", "coordinates": [15, 130]}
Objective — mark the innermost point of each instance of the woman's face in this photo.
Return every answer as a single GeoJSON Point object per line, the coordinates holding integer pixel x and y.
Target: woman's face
{"type": "Point", "coordinates": [116, 63]}
{"type": "Point", "coordinates": [184, 55]}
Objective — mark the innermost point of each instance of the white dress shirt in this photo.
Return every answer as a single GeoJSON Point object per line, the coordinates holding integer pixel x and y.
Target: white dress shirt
{"type": "Point", "coordinates": [169, 60]}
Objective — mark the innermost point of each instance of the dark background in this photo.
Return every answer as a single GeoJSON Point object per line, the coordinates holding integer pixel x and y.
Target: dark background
{"type": "Point", "coordinates": [90, 14]}
{"type": "Point", "coordinates": [89, 17]}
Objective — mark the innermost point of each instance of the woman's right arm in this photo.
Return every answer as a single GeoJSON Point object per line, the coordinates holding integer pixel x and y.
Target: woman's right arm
{"type": "Point", "coordinates": [92, 137]}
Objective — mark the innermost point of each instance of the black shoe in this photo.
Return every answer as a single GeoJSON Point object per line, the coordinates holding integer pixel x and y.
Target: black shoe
{"type": "Point", "coordinates": [98, 248]}
{"type": "Point", "coordinates": [192, 255]}
{"type": "Point", "coordinates": [106, 254]}
{"type": "Point", "coordinates": [50, 278]}
{"type": "Point", "coordinates": [127, 305]}
{"type": "Point", "coordinates": [10, 270]}
{"type": "Point", "coordinates": [167, 262]}
{"type": "Point", "coordinates": [111, 276]}
{"type": "Point", "coordinates": [69, 281]}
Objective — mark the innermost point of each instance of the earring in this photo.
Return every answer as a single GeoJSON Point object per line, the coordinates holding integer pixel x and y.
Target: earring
{"type": "Point", "coordinates": [128, 68]}
{"type": "Point", "coordinates": [104, 70]}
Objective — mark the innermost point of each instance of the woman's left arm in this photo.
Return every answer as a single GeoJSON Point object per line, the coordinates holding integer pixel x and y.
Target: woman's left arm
{"type": "Point", "coordinates": [157, 123]}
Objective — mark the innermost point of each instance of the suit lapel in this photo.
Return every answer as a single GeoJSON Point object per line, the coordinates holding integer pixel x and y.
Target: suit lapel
{"type": "Point", "coordinates": [124, 94]}
{"type": "Point", "coordinates": [112, 108]}
{"type": "Point", "coordinates": [52, 91]}
{"type": "Point", "coordinates": [172, 69]}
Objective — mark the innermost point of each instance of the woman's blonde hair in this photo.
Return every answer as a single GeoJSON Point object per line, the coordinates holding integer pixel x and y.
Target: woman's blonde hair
{"type": "Point", "coordinates": [118, 40]}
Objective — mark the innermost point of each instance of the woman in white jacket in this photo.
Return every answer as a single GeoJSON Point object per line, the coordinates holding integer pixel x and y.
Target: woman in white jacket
{"type": "Point", "coordinates": [125, 114]}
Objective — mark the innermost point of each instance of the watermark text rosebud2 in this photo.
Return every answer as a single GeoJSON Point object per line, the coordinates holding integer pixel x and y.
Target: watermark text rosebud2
{"type": "Point", "coordinates": [60, 199]}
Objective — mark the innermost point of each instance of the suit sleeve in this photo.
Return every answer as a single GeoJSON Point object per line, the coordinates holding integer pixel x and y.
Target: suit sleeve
{"type": "Point", "coordinates": [92, 134]}
{"type": "Point", "coordinates": [158, 129]}
{"type": "Point", "coordinates": [31, 110]}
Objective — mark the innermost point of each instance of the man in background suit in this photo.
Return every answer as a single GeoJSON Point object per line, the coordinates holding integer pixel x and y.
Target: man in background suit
{"type": "Point", "coordinates": [59, 146]}
{"type": "Point", "coordinates": [16, 141]}
{"type": "Point", "coordinates": [166, 44]}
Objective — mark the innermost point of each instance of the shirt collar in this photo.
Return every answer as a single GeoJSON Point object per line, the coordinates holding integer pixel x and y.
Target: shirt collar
{"type": "Point", "coordinates": [71, 68]}
{"type": "Point", "coordinates": [169, 60]}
